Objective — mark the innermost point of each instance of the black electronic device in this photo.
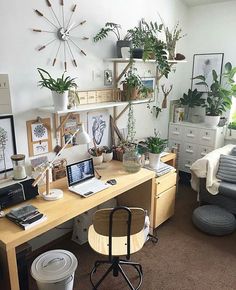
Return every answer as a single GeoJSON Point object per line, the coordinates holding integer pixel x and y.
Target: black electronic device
{"type": "Point", "coordinates": [111, 181]}
{"type": "Point", "coordinates": [17, 193]}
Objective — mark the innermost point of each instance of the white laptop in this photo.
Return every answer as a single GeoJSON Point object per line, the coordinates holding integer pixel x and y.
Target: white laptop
{"type": "Point", "coordinates": [81, 178]}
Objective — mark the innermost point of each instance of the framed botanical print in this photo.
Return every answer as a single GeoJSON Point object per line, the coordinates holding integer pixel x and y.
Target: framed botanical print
{"type": "Point", "coordinates": [203, 64]}
{"type": "Point", "coordinates": [7, 142]}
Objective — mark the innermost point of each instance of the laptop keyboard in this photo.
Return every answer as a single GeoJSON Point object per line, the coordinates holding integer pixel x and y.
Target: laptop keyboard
{"type": "Point", "coordinates": [90, 187]}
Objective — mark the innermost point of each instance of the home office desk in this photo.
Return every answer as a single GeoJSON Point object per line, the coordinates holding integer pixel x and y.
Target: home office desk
{"type": "Point", "coordinates": [135, 189]}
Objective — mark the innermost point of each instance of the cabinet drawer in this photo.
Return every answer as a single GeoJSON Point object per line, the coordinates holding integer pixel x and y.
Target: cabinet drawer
{"type": "Point", "coordinates": [190, 134]}
{"type": "Point", "coordinates": [175, 132]}
{"type": "Point", "coordinates": [207, 137]}
{"type": "Point", "coordinates": [164, 206]}
{"type": "Point", "coordinates": [186, 163]}
{"type": "Point", "coordinates": [203, 150]}
{"type": "Point", "coordinates": [174, 144]}
{"type": "Point", "coordinates": [190, 150]}
{"type": "Point", "coordinates": [164, 182]}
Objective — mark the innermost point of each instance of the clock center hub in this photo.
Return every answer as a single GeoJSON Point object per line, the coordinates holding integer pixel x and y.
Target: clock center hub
{"type": "Point", "coordinates": [63, 34]}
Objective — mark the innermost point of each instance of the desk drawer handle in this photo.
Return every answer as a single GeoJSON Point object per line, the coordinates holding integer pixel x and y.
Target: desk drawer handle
{"type": "Point", "coordinates": [175, 133]}
{"type": "Point", "coordinates": [189, 150]}
{"type": "Point", "coordinates": [158, 182]}
{"type": "Point", "coordinates": [53, 261]}
{"type": "Point", "coordinates": [190, 135]}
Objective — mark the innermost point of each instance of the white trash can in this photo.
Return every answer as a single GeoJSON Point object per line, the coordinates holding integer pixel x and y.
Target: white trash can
{"type": "Point", "coordinates": [54, 270]}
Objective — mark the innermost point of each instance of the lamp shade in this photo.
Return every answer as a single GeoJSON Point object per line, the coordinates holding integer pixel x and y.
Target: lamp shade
{"type": "Point", "coordinates": [82, 137]}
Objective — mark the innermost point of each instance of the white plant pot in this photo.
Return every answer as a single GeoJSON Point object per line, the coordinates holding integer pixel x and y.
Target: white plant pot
{"type": "Point", "coordinates": [154, 160]}
{"type": "Point", "coordinates": [97, 160]}
{"type": "Point", "coordinates": [212, 121]}
{"type": "Point", "coordinates": [107, 157]}
{"type": "Point", "coordinates": [60, 100]}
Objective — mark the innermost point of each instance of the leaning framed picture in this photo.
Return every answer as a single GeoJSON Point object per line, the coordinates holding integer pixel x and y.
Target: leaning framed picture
{"type": "Point", "coordinates": [149, 82]}
{"type": "Point", "coordinates": [7, 142]}
{"type": "Point", "coordinates": [203, 64]}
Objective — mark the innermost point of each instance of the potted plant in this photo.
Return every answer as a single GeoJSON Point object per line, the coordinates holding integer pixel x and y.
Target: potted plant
{"type": "Point", "coordinates": [107, 153]}
{"type": "Point", "coordinates": [59, 88]}
{"type": "Point", "coordinates": [132, 84]}
{"type": "Point", "coordinates": [190, 100]}
{"type": "Point", "coordinates": [96, 154]}
{"type": "Point", "coordinates": [155, 146]}
{"type": "Point", "coordinates": [122, 46]}
{"type": "Point", "coordinates": [218, 95]}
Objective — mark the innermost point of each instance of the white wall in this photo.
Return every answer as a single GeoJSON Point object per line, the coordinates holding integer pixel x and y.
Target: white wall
{"type": "Point", "coordinates": [19, 56]}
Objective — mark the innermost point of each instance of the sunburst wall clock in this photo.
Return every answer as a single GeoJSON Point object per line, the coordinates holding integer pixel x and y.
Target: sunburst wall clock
{"type": "Point", "coordinates": [62, 30]}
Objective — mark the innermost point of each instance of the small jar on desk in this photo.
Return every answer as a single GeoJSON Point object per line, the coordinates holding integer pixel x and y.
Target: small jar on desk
{"type": "Point", "coordinates": [18, 162]}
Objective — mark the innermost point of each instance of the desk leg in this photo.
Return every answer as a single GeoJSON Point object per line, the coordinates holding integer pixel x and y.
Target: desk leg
{"type": "Point", "coordinates": [11, 279]}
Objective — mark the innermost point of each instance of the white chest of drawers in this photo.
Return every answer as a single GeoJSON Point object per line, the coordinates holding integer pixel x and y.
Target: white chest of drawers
{"type": "Point", "coordinates": [194, 141]}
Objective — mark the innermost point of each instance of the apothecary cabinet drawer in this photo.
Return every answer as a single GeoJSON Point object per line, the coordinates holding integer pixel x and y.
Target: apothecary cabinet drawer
{"type": "Point", "coordinates": [203, 150]}
{"type": "Point", "coordinates": [186, 163]}
{"type": "Point", "coordinates": [190, 150]}
{"type": "Point", "coordinates": [174, 144]}
{"type": "Point", "coordinates": [190, 134]}
{"type": "Point", "coordinates": [175, 132]}
{"type": "Point", "coordinates": [207, 137]}
{"type": "Point", "coordinates": [165, 182]}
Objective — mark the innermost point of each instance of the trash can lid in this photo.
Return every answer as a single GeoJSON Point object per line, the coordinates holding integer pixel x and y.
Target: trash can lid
{"type": "Point", "coordinates": [54, 266]}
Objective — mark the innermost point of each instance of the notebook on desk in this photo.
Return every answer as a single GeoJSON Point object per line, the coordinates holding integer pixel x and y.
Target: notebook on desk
{"type": "Point", "coordinates": [81, 178]}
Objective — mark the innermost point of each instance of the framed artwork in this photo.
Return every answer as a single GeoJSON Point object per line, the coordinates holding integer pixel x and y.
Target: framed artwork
{"type": "Point", "coordinates": [203, 64]}
{"type": "Point", "coordinates": [149, 82]}
{"type": "Point", "coordinates": [108, 77]}
{"type": "Point", "coordinates": [39, 136]}
{"type": "Point", "coordinates": [99, 128]}
{"type": "Point", "coordinates": [7, 142]}
{"type": "Point", "coordinates": [70, 125]}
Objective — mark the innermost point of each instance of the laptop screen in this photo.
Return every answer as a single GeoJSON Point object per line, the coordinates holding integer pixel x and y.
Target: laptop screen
{"type": "Point", "coordinates": [80, 171]}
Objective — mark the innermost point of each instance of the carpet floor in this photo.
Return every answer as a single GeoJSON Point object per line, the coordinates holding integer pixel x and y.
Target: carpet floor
{"type": "Point", "coordinates": [184, 257]}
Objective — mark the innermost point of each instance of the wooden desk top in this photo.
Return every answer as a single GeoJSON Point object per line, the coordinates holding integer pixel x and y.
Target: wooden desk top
{"type": "Point", "coordinates": [71, 205]}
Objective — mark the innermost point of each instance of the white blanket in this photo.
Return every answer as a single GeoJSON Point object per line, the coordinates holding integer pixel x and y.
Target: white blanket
{"type": "Point", "coordinates": [207, 167]}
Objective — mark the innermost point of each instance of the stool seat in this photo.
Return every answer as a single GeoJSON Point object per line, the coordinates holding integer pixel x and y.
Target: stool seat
{"type": "Point", "coordinates": [214, 220]}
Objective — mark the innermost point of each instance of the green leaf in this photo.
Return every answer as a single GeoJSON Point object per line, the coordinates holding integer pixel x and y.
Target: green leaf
{"type": "Point", "coordinates": [214, 75]}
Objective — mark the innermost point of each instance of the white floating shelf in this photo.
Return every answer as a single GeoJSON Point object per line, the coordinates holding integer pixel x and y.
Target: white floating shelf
{"type": "Point", "coordinates": [125, 60]}
{"type": "Point", "coordinates": [89, 107]}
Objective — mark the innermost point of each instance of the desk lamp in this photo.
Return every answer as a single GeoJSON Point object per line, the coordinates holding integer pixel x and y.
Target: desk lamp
{"type": "Point", "coordinates": [82, 137]}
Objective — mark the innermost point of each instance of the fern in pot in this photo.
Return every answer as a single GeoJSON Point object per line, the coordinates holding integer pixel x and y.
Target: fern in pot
{"type": "Point", "coordinates": [59, 88]}
{"type": "Point", "coordinates": [155, 146]}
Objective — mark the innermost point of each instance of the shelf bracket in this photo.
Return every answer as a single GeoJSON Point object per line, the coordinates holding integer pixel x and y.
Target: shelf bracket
{"type": "Point", "coordinates": [121, 113]}
{"type": "Point", "coordinates": [123, 72]}
{"type": "Point", "coordinates": [64, 121]}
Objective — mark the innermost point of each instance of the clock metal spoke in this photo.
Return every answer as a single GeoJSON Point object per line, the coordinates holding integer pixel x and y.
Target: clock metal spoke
{"type": "Point", "coordinates": [50, 5]}
{"type": "Point", "coordinates": [73, 58]}
{"type": "Point", "coordinates": [40, 30]}
{"type": "Point", "coordinates": [78, 47]}
{"type": "Point", "coordinates": [55, 59]}
{"type": "Point", "coordinates": [80, 24]}
{"type": "Point", "coordinates": [63, 16]}
{"type": "Point", "coordinates": [65, 63]}
{"type": "Point", "coordinates": [85, 38]}
{"type": "Point", "coordinates": [45, 45]}
{"type": "Point", "coordinates": [72, 12]}
{"type": "Point", "coordinates": [41, 14]}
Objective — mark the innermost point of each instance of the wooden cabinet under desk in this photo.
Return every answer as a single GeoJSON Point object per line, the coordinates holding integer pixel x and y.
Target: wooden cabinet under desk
{"type": "Point", "coordinates": [164, 197]}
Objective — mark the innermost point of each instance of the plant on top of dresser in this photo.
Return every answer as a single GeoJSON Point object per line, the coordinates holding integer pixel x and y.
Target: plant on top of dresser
{"type": "Point", "coordinates": [155, 146]}
{"type": "Point", "coordinates": [218, 95]}
{"type": "Point", "coordinates": [59, 88]}
{"type": "Point", "coordinates": [190, 100]}
{"type": "Point", "coordinates": [122, 46]}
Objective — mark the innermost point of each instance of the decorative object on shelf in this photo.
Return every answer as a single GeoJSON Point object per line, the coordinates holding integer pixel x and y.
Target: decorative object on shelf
{"type": "Point", "coordinates": [148, 89]}
{"type": "Point", "coordinates": [59, 88]}
{"type": "Point", "coordinates": [18, 162]}
{"type": "Point", "coordinates": [166, 92]}
{"type": "Point", "coordinates": [179, 114]}
{"type": "Point", "coordinates": [122, 46]}
{"type": "Point", "coordinates": [59, 169]}
{"type": "Point", "coordinates": [155, 146]}
{"type": "Point", "coordinates": [172, 36]}
{"type": "Point", "coordinates": [39, 136]}
{"type": "Point", "coordinates": [7, 143]}
{"type": "Point", "coordinates": [69, 124]}
{"type": "Point", "coordinates": [62, 29]}
{"type": "Point", "coordinates": [99, 127]}
{"type": "Point", "coordinates": [204, 64]}
{"type": "Point", "coordinates": [54, 194]}
{"type": "Point", "coordinates": [219, 95]}
{"type": "Point", "coordinates": [108, 77]}
{"type": "Point", "coordinates": [132, 160]}
{"type": "Point", "coordinates": [173, 105]}
{"type": "Point", "coordinates": [179, 56]}
{"type": "Point", "coordinates": [190, 100]}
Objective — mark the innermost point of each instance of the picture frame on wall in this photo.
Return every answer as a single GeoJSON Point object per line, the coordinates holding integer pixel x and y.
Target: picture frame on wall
{"type": "Point", "coordinates": [7, 142]}
{"type": "Point", "coordinates": [203, 64]}
{"type": "Point", "coordinates": [150, 82]}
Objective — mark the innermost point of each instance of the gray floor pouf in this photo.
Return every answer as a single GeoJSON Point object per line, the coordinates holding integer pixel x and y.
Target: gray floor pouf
{"type": "Point", "coordinates": [214, 220]}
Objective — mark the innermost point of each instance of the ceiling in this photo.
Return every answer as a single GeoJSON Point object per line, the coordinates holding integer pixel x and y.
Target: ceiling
{"type": "Point", "coordinates": [202, 2]}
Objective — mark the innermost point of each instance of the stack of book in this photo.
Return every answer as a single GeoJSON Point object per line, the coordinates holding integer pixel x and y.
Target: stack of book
{"type": "Point", "coordinates": [161, 170]}
{"type": "Point", "coordinates": [26, 216]}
